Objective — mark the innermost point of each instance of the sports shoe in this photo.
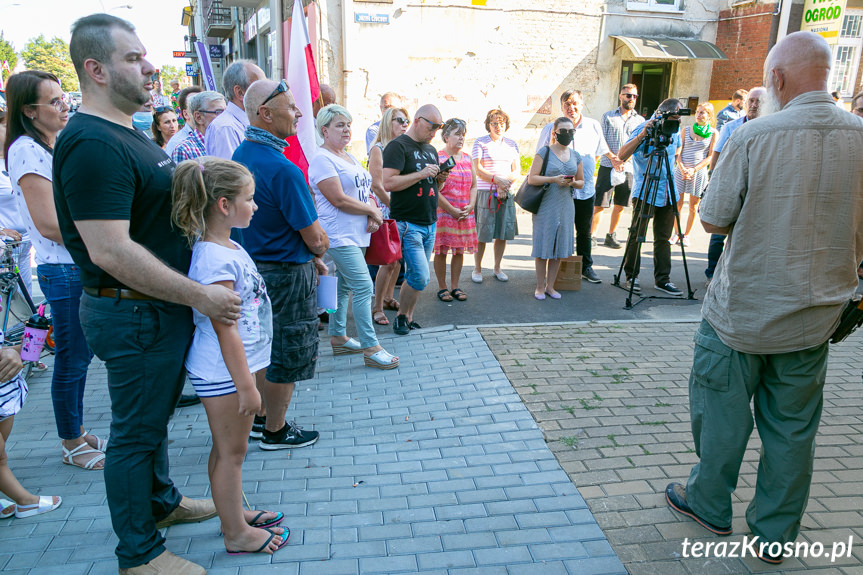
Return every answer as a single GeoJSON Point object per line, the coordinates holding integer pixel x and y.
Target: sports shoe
{"type": "Point", "coordinates": [636, 287]}
{"type": "Point", "coordinates": [611, 242]}
{"type": "Point", "coordinates": [258, 427]}
{"type": "Point", "coordinates": [476, 277]}
{"type": "Point", "coordinates": [590, 275]}
{"type": "Point", "coordinates": [168, 564]}
{"type": "Point", "coordinates": [669, 288]}
{"type": "Point", "coordinates": [685, 242]}
{"type": "Point", "coordinates": [593, 242]}
{"type": "Point", "coordinates": [400, 325]}
{"type": "Point", "coordinates": [675, 496]}
{"type": "Point", "coordinates": [288, 437]}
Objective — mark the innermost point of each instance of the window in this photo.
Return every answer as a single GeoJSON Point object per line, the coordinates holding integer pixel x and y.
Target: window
{"type": "Point", "coordinates": [846, 54]}
{"type": "Point", "coordinates": [655, 5]}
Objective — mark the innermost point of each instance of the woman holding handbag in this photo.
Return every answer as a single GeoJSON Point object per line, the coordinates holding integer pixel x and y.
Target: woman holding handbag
{"type": "Point", "coordinates": [456, 226]}
{"type": "Point", "coordinates": [342, 190]}
{"type": "Point", "coordinates": [552, 224]}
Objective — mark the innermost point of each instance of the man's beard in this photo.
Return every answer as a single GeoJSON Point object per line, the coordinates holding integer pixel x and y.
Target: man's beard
{"type": "Point", "coordinates": [124, 92]}
{"type": "Point", "coordinates": [769, 102]}
{"type": "Point", "coordinates": [629, 104]}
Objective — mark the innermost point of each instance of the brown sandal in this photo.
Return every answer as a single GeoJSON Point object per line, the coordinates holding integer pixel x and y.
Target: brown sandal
{"type": "Point", "coordinates": [391, 304]}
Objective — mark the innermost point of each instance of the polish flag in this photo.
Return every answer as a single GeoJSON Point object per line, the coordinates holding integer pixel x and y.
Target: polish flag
{"type": "Point", "coordinates": [303, 80]}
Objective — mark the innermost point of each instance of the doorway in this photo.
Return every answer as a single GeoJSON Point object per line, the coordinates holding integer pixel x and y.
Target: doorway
{"type": "Point", "coordinates": [652, 79]}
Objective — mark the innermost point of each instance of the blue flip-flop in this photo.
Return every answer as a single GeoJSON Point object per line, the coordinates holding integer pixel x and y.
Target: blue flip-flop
{"type": "Point", "coordinates": [285, 536]}
{"type": "Point", "coordinates": [269, 523]}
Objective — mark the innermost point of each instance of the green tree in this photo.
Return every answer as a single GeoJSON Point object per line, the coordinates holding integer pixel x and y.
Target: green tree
{"type": "Point", "coordinates": [51, 56]}
{"type": "Point", "coordinates": [7, 53]}
{"type": "Point", "coordinates": [168, 73]}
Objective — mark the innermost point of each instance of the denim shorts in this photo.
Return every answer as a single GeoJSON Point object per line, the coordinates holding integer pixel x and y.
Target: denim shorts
{"type": "Point", "coordinates": [417, 245]}
{"type": "Point", "coordinates": [293, 291]}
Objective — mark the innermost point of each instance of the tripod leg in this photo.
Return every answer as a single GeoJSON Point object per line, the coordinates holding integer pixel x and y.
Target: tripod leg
{"type": "Point", "coordinates": [671, 197]}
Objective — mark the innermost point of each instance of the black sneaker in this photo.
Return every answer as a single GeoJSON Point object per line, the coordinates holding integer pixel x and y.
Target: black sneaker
{"type": "Point", "coordinates": [590, 275]}
{"type": "Point", "coordinates": [675, 495]}
{"type": "Point", "coordinates": [400, 325]}
{"type": "Point", "coordinates": [611, 242]}
{"type": "Point", "coordinates": [669, 288]}
{"type": "Point", "coordinates": [258, 427]}
{"type": "Point", "coordinates": [414, 325]}
{"type": "Point", "coordinates": [288, 437]}
{"type": "Point", "coordinates": [765, 555]}
{"type": "Point", "coordinates": [636, 287]}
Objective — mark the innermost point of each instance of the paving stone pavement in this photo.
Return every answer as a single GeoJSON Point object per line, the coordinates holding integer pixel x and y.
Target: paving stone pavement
{"type": "Point", "coordinates": [436, 467]}
{"type": "Point", "coordinates": [612, 401]}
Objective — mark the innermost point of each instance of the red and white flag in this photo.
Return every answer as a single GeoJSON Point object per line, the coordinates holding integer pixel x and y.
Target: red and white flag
{"type": "Point", "coordinates": [303, 80]}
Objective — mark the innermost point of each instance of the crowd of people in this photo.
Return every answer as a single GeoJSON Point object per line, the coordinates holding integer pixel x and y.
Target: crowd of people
{"type": "Point", "coordinates": [199, 252]}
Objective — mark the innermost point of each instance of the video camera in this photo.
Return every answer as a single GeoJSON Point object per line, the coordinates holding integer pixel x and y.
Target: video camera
{"type": "Point", "coordinates": [663, 129]}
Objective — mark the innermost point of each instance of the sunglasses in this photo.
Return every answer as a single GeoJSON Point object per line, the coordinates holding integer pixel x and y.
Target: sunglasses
{"type": "Point", "coordinates": [403, 121]}
{"type": "Point", "coordinates": [432, 125]}
{"type": "Point", "coordinates": [161, 109]}
{"type": "Point", "coordinates": [564, 131]}
{"type": "Point", "coordinates": [282, 87]}
{"type": "Point", "coordinates": [630, 96]}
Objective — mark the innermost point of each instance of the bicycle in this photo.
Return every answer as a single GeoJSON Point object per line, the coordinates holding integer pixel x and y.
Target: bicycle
{"type": "Point", "coordinates": [17, 305]}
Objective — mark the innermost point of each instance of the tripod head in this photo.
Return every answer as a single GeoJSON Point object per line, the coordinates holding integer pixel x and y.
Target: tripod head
{"type": "Point", "coordinates": [665, 125]}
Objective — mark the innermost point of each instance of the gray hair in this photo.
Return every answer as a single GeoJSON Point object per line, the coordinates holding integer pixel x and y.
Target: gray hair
{"type": "Point", "coordinates": [236, 75]}
{"type": "Point", "coordinates": [202, 100]}
{"type": "Point", "coordinates": [92, 39]}
{"type": "Point", "coordinates": [326, 115]}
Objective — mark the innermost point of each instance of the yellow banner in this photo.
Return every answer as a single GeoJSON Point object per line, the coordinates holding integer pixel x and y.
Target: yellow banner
{"type": "Point", "coordinates": [824, 17]}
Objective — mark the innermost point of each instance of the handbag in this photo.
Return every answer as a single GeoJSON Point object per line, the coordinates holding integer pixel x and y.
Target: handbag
{"type": "Point", "coordinates": [385, 247]}
{"type": "Point", "coordinates": [530, 197]}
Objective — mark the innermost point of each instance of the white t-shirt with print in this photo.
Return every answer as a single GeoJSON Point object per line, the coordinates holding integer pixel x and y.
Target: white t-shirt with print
{"type": "Point", "coordinates": [27, 157]}
{"type": "Point", "coordinates": [214, 263]}
{"type": "Point", "coordinates": [343, 228]}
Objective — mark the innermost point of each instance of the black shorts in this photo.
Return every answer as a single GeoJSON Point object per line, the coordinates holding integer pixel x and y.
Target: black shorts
{"type": "Point", "coordinates": [293, 292]}
{"type": "Point", "coordinates": [604, 190]}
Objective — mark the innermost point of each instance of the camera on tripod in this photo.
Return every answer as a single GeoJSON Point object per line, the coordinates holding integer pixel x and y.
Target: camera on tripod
{"type": "Point", "coordinates": [663, 129]}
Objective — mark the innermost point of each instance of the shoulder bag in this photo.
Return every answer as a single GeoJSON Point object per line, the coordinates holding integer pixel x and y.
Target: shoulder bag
{"type": "Point", "coordinates": [530, 197]}
{"type": "Point", "coordinates": [385, 247]}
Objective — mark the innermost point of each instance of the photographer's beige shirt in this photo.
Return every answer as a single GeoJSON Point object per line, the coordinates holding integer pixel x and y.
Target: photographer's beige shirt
{"type": "Point", "coordinates": [790, 185]}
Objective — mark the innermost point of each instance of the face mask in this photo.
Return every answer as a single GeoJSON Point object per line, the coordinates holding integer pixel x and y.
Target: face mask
{"type": "Point", "coordinates": [564, 138]}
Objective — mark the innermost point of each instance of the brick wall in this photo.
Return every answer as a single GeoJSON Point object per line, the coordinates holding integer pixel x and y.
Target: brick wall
{"type": "Point", "coordinates": [746, 42]}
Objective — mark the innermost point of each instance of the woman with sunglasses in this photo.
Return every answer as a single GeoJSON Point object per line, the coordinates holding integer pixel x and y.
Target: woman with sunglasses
{"type": "Point", "coordinates": [37, 113]}
{"type": "Point", "coordinates": [552, 224]}
{"type": "Point", "coordinates": [456, 226]}
{"type": "Point", "coordinates": [165, 125]}
{"type": "Point", "coordinates": [393, 124]}
{"type": "Point", "coordinates": [496, 162]}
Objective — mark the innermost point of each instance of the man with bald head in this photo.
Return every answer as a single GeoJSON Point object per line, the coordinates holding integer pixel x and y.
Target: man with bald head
{"type": "Point", "coordinates": [788, 191]}
{"type": "Point", "coordinates": [227, 131]}
{"type": "Point", "coordinates": [286, 241]}
{"type": "Point", "coordinates": [410, 174]}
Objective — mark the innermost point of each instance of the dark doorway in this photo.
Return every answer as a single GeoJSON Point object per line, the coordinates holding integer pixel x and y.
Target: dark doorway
{"type": "Point", "coordinates": [652, 79]}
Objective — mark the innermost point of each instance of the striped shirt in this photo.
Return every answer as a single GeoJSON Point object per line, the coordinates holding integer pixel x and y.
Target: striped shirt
{"type": "Point", "coordinates": [191, 148]}
{"type": "Point", "coordinates": [617, 129]}
{"type": "Point", "coordinates": [495, 158]}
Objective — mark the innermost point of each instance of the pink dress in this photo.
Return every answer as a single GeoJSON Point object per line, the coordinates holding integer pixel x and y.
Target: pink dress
{"type": "Point", "coordinates": [456, 236]}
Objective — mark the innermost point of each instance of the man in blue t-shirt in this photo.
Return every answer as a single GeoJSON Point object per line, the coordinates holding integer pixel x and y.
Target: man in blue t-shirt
{"type": "Point", "coordinates": [286, 241]}
{"type": "Point", "coordinates": [660, 206]}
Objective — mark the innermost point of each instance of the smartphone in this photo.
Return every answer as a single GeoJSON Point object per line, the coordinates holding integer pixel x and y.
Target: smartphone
{"type": "Point", "coordinates": [569, 177]}
{"type": "Point", "coordinates": [448, 164]}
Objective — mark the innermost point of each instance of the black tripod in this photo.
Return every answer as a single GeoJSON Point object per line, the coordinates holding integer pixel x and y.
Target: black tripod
{"type": "Point", "coordinates": [657, 162]}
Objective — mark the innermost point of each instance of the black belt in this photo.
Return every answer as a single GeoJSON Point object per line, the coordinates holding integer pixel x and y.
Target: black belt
{"type": "Point", "coordinates": [116, 293]}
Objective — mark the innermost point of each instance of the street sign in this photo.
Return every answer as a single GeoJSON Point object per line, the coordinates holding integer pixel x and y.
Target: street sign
{"type": "Point", "coordinates": [191, 70]}
{"type": "Point", "coordinates": [364, 18]}
{"type": "Point", "coordinates": [183, 54]}
{"type": "Point", "coordinates": [216, 51]}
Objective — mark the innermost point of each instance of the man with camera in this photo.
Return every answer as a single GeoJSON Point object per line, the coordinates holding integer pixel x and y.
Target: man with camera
{"type": "Point", "coordinates": [794, 177]}
{"type": "Point", "coordinates": [662, 132]}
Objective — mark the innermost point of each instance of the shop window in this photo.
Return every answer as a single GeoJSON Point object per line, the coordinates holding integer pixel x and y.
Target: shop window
{"type": "Point", "coordinates": [846, 54]}
{"type": "Point", "coordinates": [655, 5]}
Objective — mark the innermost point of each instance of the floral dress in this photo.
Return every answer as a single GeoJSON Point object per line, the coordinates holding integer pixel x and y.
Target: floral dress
{"type": "Point", "coordinates": [453, 235]}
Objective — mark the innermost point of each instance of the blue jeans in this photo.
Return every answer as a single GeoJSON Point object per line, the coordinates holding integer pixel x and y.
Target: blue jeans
{"type": "Point", "coordinates": [143, 344]}
{"type": "Point", "coordinates": [61, 284]}
{"type": "Point", "coordinates": [354, 277]}
{"type": "Point", "coordinates": [417, 245]}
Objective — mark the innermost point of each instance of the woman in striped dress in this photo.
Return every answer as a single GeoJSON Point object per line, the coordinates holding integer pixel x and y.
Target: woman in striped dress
{"type": "Point", "coordinates": [496, 163]}
{"type": "Point", "coordinates": [691, 162]}
{"type": "Point", "coordinates": [456, 227]}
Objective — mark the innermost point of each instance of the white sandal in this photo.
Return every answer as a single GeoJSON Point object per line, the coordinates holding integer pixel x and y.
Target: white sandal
{"type": "Point", "coordinates": [69, 456]}
{"type": "Point", "coordinates": [381, 359]}
{"type": "Point", "coordinates": [101, 444]}
{"type": "Point", "coordinates": [46, 504]}
{"type": "Point", "coordinates": [7, 508]}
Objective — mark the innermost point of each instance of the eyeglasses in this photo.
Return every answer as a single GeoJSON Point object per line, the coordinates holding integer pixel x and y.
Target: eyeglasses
{"type": "Point", "coordinates": [214, 112]}
{"type": "Point", "coordinates": [433, 125]}
{"type": "Point", "coordinates": [282, 87]}
{"type": "Point", "coordinates": [58, 104]}
{"type": "Point", "coordinates": [630, 96]}
{"type": "Point", "coordinates": [858, 110]}
{"type": "Point", "coordinates": [497, 123]}
{"type": "Point", "coordinates": [403, 121]}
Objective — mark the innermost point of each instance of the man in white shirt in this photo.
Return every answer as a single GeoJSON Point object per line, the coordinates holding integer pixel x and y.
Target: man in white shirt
{"type": "Point", "coordinates": [229, 129]}
{"type": "Point", "coordinates": [388, 100]}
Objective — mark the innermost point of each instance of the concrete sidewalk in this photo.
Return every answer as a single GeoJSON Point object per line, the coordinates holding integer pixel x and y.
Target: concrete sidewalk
{"type": "Point", "coordinates": [435, 468]}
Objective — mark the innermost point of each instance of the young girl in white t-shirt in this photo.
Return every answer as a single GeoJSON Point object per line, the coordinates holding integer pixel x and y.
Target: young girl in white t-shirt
{"type": "Point", "coordinates": [211, 196]}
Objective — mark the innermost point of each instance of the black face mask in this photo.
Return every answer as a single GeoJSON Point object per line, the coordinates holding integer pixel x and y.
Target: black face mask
{"type": "Point", "coordinates": [564, 137]}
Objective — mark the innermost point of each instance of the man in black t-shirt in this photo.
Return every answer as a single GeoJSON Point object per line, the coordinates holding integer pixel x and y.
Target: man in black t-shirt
{"type": "Point", "coordinates": [112, 189]}
{"type": "Point", "coordinates": [410, 172]}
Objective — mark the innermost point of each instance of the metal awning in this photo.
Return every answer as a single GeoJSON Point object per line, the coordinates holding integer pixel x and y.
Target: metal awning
{"type": "Point", "coordinates": [671, 48]}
